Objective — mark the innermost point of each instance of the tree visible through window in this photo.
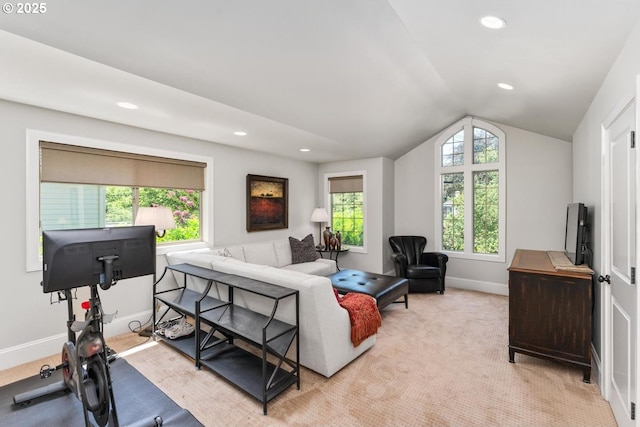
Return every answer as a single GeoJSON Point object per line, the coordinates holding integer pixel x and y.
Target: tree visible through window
{"type": "Point", "coordinates": [68, 206]}
{"type": "Point", "coordinates": [347, 208]}
{"type": "Point", "coordinates": [470, 161]}
{"type": "Point", "coordinates": [453, 212]}
{"type": "Point", "coordinates": [485, 212]}
{"type": "Point", "coordinates": [347, 216]}
{"type": "Point", "coordinates": [86, 187]}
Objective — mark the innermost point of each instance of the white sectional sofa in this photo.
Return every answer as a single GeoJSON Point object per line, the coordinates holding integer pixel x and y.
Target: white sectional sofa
{"type": "Point", "coordinates": [276, 253]}
{"type": "Point", "coordinates": [325, 328]}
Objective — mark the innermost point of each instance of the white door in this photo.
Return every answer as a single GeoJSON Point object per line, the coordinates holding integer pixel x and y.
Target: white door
{"type": "Point", "coordinates": [619, 232]}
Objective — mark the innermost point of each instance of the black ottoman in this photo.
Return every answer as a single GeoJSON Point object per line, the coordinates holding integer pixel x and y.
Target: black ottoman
{"type": "Point", "coordinates": [385, 289]}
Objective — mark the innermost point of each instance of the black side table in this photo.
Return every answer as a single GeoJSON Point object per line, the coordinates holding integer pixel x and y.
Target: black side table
{"type": "Point", "coordinates": [333, 254]}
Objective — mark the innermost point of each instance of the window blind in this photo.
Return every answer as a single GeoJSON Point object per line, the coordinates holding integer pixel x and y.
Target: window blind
{"type": "Point", "coordinates": [65, 163]}
{"type": "Point", "coordinates": [345, 184]}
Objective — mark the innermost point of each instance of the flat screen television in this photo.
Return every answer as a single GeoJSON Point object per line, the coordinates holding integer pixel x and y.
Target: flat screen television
{"type": "Point", "coordinates": [575, 244]}
{"type": "Point", "coordinates": [96, 256]}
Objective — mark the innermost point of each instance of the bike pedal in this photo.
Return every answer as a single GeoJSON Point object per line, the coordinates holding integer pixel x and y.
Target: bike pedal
{"type": "Point", "coordinates": [46, 371]}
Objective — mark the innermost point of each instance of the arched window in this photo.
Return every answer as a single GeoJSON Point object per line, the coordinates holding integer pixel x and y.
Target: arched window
{"type": "Point", "coordinates": [470, 200]}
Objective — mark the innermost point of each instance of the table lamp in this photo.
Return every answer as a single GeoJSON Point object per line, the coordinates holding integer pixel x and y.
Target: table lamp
{"type": "Point", "coordinates": [162, 218]}
{"type": "Point", "coordinates": [319, 215]}
{"type": "Point", "coordinates": [158, 216]}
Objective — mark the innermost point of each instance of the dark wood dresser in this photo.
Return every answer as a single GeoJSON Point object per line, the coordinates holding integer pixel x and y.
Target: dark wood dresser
{"type": "Point", "coordinates": [550, 310]}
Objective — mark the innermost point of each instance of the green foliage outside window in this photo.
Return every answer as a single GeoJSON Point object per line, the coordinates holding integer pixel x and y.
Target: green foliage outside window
{"type": "Point", "coordinates": [485, 212]}
{"type": "Point", "coordinates": [185, 205]}
{"type": "Point", "coordinates": [453, 212]}
{"type": "Point", "coordinates": [485, 196]}
{"type": "Point", "coordinates": [485, 147]}
{"type": "Point", "coordinates": [119, 206]}
{"type": "Point", "coordinates": [347, 217]}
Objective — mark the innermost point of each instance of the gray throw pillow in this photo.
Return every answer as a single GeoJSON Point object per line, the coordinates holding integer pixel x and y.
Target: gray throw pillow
{"type": "Point", "coordinates": [303, 250]}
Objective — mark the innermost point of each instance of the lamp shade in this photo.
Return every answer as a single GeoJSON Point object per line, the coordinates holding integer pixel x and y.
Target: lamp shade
{"type": "Point", "coordinates": [160, 217]}
{"type": "Point", "coordinates": [319, 215]}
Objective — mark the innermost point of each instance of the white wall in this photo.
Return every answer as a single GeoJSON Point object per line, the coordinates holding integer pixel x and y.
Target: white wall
{"type": "Point", "coordinates": [38, 328]}
{"type": "Point", "coordinates": [379, 200]}
{"type": "Point", "coordinates": [538, 190]}
{"type": "Point", "coordinates": [618, 86]}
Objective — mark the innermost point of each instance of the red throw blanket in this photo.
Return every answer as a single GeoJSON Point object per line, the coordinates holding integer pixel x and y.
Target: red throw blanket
{"type": "Point", "coordinates": [364, 315]}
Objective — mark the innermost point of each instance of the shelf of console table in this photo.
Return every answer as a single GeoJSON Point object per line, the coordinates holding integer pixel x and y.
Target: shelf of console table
{"type": "Point", "coordinates": [186, 302]}
{"type": "Point", "coordinates": [216, 351]}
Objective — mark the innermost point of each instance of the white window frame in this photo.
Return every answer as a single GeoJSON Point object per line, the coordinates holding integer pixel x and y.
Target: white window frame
{"type": "Point", "coordinates": [33, 138]}
{"type": "Point", "coordinates": [327, 197]}
{"type": "Point", "coordinates": [468, 123]}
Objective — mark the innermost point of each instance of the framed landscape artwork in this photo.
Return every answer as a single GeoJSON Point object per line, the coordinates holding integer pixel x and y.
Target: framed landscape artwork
{"type": "Point", "coordinates": [267, 203]}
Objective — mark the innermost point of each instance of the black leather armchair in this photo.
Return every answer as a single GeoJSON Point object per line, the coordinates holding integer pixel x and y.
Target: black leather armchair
{"type": "Point", "coordinates": [424, 270]}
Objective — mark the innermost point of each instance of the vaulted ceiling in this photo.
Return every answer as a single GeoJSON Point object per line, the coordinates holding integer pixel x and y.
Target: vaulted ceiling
{"type": "Point", "coordinates": [346, 79]}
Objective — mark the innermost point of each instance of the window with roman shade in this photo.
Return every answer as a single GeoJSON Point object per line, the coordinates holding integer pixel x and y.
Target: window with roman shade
{"type": "Point", "coordinates": [346, 195]}
{"type": "Point", "coordinates": [65, 163]}
{"type": "Point", "coordinates": [85, 187]}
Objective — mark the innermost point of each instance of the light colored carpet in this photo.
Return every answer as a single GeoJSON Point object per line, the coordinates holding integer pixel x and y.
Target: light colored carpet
{"type": "Point", "coordinates": [442, 362]}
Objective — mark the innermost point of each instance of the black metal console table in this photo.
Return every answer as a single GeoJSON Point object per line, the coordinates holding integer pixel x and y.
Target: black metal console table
{"type": "Point", "coordinates": [214, 348]}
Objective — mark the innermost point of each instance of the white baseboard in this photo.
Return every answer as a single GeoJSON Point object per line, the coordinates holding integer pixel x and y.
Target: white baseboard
{"type": "Point", "coordinates": [44, 347]}
{"type": "Point", "coordinates": [472, 285]}
{"type": "Point", "coordinates": [476, 285]}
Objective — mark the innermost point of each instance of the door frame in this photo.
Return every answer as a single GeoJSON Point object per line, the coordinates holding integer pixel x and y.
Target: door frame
{"type": "Point", "coordinates": [605, 247]}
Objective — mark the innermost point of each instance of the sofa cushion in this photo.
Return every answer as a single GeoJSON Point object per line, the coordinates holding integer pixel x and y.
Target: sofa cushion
{"type": "Point", "coordinates": [423, 272]}
{"type": "Point", "coordinates": [283, 252]}
{"type": "Point", "coordinates": [303, 250]}
{"type": "Point", "coordinates": [260, 253]}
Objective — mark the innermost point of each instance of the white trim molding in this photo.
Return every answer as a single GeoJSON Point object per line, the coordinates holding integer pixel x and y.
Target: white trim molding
{"type": "Point", "coordinates": [16, 355]}
{"type": "Point", "coordinates": [477, 285]}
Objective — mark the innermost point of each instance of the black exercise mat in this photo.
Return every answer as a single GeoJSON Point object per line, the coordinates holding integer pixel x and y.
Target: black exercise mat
{"type": "Point", "coordinates": [137, 401]}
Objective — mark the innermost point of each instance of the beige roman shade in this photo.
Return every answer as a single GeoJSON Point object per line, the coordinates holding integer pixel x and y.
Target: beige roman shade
{"type": "Point", "coordinates": [83, 165]}
{"type": "Point", "coordinates": [345, 184]}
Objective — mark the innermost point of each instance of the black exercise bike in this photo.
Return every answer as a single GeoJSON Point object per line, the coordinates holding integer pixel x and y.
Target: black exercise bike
{"type": "Point", "coordinates": [85, 364]}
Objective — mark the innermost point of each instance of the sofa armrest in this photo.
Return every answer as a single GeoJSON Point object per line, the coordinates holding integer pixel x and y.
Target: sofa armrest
{"type": "Point", "coordinates": [330, 263]}
{"type": "Point", "coordinates": [400, 264]}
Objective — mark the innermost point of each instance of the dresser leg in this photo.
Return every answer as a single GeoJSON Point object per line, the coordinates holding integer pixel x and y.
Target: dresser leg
{"type": "Point", "coordinates": [587, 376]}
{"type": "Point", "coordinates": [512, 355]}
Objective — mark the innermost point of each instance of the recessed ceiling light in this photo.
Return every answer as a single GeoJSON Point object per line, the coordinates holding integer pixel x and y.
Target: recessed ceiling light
{"type": "Point", "coordinates": [505, 86]}
{"type": "Point", "coordinates": [240, 133]}
{"type": "Point", "coordinates": [127, 105]}
{"type": "Point", "coordinates": [305, 150]}
{"type": "Point", "coordinates": [493, 22]}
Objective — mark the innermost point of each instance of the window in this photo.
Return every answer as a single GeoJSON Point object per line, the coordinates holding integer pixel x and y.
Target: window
{"type": "Point", "coordinates": [347, 208]}
{"type": "Point", "coordinates": [470, 201]}
{"type": "Point", "coordinates": [68, 206]}
{"type": "Point", "coordinates": [83, 187]}
{"type": "Point", "coordinates": [85, 183]}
